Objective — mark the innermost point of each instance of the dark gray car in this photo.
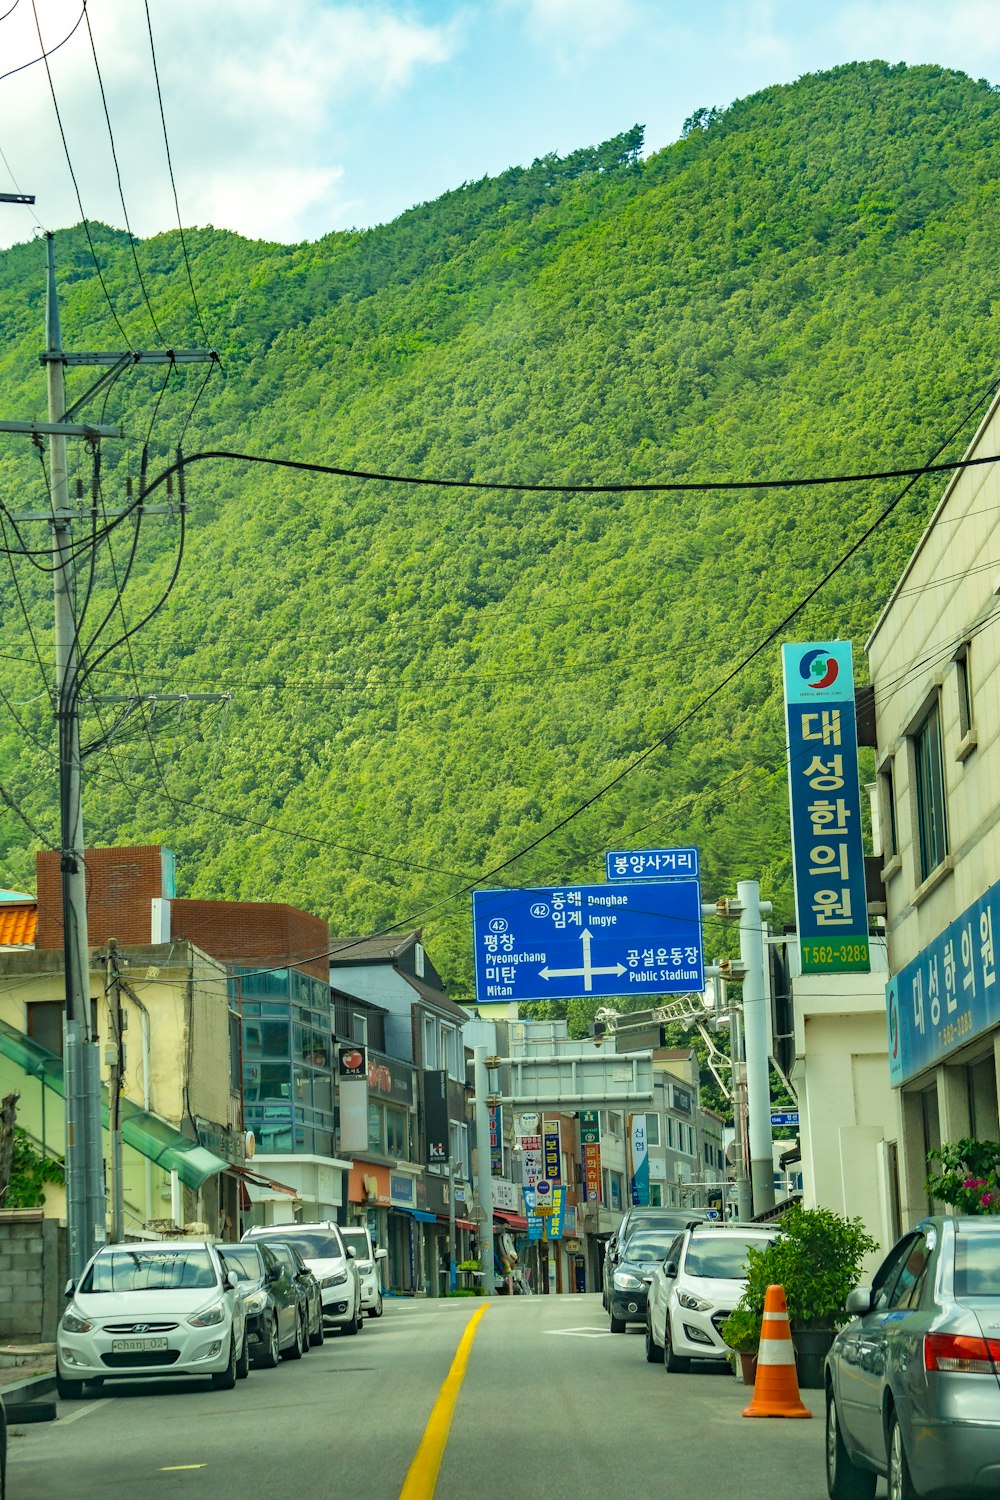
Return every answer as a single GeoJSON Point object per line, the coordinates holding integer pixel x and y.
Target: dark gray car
{"type": "Point", "coordinates": [913, 1383]}
{"type": "Point", "coordinates": [670, 1220]}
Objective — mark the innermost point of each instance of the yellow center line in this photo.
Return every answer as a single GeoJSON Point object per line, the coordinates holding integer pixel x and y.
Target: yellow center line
{"type": "Point", "coordinates": [176, 1468]}
{"type": "Point", "coordinates": [422, 1475]}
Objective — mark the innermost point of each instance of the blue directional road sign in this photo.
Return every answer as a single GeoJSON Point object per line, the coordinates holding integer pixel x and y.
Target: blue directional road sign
{"type": "Point", "coordinates": [785, 1117]}
{"type": "Point", "coordinates": [561, 944]}
{"type": "Point", "coordinates": [652, 864]}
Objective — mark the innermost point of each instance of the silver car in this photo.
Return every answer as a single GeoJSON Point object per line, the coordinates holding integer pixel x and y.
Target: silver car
{"type": "Point", "coordinates": [913, 1383]}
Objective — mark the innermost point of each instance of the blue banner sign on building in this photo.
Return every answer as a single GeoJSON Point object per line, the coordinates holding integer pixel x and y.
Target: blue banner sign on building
{"type": "Point", "coordinates": [535, 1221]}
{"type": "Point", "coordinates": [638, 939]}
{"type": "Point", "coordinates": [825, 800]}
{"type": "Point", "coordinates": [948, 994]}
{"type": "Point", "coordinates": [652, 864]}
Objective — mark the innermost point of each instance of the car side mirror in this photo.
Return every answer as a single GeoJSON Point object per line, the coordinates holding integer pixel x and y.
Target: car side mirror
{"type": "Point", "coordinates": [670, 1269]}
{"type": "Point", "coordinates": [69, 1288]}
{"type": "Point", "coordinates": [274, 1273]}
{"type": "Point", "coordinates": [352, 1254]}
{"type": "Point", "coordinates": [232, 1280]}
{"type": "Point", "coordinates": [859, 1301]}
{"type": "Point", "coordinates": [381, 1253]}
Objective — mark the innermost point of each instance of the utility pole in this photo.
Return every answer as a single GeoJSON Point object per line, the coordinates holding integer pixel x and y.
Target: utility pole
{"type": "Point", "coordinates": [484, 1170]}
{"type": "Point", "coordinates": [115, 1084]}
{"type": "Point", "coordinates": [757, 1043]}
{"type": "Point", "coordinates": [744, 1203]}
{"type": "Point", "coordinates": [451, 1224]}
{"type": "Point", "coordinates": [84, 1153]}
{"type": "Point", "coordinates": [85, 1193]}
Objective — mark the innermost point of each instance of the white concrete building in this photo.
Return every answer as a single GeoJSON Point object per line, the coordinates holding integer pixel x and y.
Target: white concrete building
{"type": "Point", "coordinates": [849, 1118]}
{"type": "Point", "coordinates": [934, 657]}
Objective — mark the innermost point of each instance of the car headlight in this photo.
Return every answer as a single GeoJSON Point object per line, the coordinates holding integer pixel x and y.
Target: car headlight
{"type": "Point", "coordinates": [337, 1280]}
{"type": "Point", "coordinates": [626, 1282]}
{"type": "Point", "coordinates": [693, 1304]}
{"type": "Point", "coordinates": [210, 1317]}
{"type": "Point", "coordinates": [255, 1302]}
{"type": "Point", "coordinates": [74, 1321]}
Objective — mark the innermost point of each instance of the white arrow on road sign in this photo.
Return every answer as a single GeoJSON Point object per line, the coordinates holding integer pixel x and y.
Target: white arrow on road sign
{"type": "Point", "coordinates": [588, 970]}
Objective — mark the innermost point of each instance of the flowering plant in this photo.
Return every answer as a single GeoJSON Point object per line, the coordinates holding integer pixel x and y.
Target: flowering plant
{"type": "Point", "coordinates": [969, 1178]}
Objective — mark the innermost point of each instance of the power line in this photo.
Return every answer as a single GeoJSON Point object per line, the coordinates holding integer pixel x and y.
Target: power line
{"type": "Point", "coordinates": [659, 487]}
{"type": "Point", "coordinates": [45, 54]}
{"type": "Point", "coordinates": [170, 168]}
{"type": "Point", "coordinates": [121, 190]}
{"type": "Point", "coordinates": [69, 162]}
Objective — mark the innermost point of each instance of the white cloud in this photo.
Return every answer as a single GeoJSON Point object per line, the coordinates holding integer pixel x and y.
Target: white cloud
{"type": "Point", "coordinates": [579, 26]}
{"type": "Point", "coordinates": [258, 97]}
{"type": "Point", "coordinates": [922, 30]}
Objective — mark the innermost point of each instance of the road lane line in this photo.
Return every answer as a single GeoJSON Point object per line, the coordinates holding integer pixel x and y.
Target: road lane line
{"type": "Point", "coordinates": [422, 1475]}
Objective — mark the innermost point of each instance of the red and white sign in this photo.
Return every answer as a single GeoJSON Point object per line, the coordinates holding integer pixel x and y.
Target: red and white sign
{"type": "Point", "coordinates": [532, 1167]}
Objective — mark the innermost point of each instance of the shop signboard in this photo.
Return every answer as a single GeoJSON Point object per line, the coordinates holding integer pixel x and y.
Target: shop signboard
{"type": "Point", "coordinates": [390, 1079]}
{"type": "Point", "coordinates": [590, 1127]}
{"type": "Point", "coordinates": [948, 995]}
{"type": "Point", "coordinates": [552, 1152]}
{"type": "Point", "coordinates": [592, 1172]}
{"type": "Point", "coordinates": [505, 1196]}
{"type": "Point", "coordinates": [436, 1117]}
{"type": "Point", "coordinates": [638, 1161]}
{"type": "Point", "coordinates": [825, 802]}
{"type": "Point", "coordinates": [496, 1140]}
{"type": "Point", "coordinates": [554, 1227]}
{"type": "Point", "coordinates": [401, 1190]}
{"type": "Point", "coordinates": [531, 1160]}
{"type": "Point", "coordinates": [535, 1222]}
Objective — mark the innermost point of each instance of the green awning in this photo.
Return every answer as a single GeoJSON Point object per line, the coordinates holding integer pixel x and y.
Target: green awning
{"type": "Point", "coordinates": [146, 1133]}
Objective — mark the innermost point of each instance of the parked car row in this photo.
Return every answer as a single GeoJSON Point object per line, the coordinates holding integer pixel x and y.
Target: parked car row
{"type": "Point", "coordinates": [196, 1307]}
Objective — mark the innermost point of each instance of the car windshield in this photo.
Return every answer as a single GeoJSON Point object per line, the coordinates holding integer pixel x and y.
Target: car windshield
{"type": "Point", "coordinates": [245, 1260]}
{"type": "Point", "coordinates": [359, 1239]}
{"type": "Point", "coordinates": [181, 1268]}
{"type": "Point", "coordinates": [647, 1245]}
{"type": "Point", "coordinates": [722, 1256]}
{"type": "Point", "coordinates": [977, 1264]}
{"type": "Point", "coordinates": [315, 1244]}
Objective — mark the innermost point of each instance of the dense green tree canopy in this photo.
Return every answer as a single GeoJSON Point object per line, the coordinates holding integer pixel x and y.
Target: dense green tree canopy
{"type": "Point", "coordinates": [425, 681]}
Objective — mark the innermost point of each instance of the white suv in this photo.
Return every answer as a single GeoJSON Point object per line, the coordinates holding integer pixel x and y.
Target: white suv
{"type": "Point", "coordinates": [357, 1238]}
{"type": "Point", "coordinates": [695, 1289]}
{"type": "Point", "coordinates": [322, 1248]}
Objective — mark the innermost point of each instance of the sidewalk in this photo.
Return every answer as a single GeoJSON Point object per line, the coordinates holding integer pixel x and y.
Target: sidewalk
{"type": "Point", "coordinates": [28, 1382]}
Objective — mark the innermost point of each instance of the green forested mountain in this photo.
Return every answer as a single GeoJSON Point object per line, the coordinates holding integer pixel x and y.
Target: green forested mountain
{"type": "Point", "coordinates": [426, 680]}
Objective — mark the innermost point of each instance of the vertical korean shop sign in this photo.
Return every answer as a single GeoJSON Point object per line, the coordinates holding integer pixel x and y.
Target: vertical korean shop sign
{"type": "Point", "coordinates": [825, 804]}
{"type": "Point", "coordinates": [590, 1141]}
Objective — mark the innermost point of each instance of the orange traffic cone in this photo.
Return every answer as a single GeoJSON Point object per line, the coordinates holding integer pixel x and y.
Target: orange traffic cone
{"type": "Point", "coordinates": [776, 1388]}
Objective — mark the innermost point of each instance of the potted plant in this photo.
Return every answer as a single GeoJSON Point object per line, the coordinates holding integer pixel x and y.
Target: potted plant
{"type": "Point", "coordinates": [741, 1331]}
{"type": "Point", "coordinates": [969, 1178]}
{"type": "Point", "coordinates": [817, 1258]}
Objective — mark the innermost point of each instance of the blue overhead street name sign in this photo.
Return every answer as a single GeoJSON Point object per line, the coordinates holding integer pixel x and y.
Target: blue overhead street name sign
{"type": "Point", "coordinates": [652, 864]}
{"type": "Point", "coordinates": [562, 944]}
{"type": "Point", "coordinates": [785, 1117]}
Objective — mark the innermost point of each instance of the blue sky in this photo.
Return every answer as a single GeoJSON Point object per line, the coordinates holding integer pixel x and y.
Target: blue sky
{"type": "Point", "coordinates": [289, 118]}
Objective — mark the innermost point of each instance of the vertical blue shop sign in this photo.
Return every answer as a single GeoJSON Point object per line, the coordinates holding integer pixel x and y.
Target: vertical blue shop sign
{"type": "Point", "coordinates": [948, 994]}
{"type": "Point", "coordinates": [825, 802]}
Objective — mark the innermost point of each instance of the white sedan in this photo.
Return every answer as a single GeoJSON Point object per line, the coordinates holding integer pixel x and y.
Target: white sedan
{"type": "Point", "coordinates": [169, 1308]}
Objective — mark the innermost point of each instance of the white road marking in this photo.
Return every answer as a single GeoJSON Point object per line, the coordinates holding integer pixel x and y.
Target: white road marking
{"type": "Point", "coordinates": [579, 1333]}
{"type": "Point", "coordinates": [84, 1411]}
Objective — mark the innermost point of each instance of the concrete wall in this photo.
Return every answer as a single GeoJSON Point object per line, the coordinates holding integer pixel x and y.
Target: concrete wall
{"type": "Point", "coordinates": [33, 1271]}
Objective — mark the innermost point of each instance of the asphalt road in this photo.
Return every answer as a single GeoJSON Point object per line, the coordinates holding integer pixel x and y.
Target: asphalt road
{"type": "Point", "coordinates": [551, 1405]}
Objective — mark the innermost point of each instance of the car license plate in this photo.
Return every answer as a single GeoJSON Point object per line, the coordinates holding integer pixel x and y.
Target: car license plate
{"type": "Point", "coordinates": [136, 1346]}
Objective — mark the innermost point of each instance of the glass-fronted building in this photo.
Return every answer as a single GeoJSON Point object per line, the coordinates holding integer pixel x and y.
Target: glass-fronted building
{"type": "Point", "coordinates": [286, 1059]}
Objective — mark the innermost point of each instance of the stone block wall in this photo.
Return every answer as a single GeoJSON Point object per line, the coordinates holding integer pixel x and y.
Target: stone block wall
{"type": "Point", "coordinates": [33, 1270]}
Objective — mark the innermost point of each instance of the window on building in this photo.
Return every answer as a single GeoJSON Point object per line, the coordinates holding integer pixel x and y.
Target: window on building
{"type": "Point", "coordinates": [963, 678]}
{"type": "Point", "coordinates": [397, 1133]}
{"type": "Point", "coordinates": [653, 1130]}
{"type": "Point", "coordinates": [45, 1023]}
{"type": "Point", "coordinates": [890, 833]}
{"type": "Point", "coordinates": [359, 1028]}
{"type": "Point", "coordinates": [655, 1195]}
{"type": "Point", "coordinates": [670, 1132]}
{"type": "Point", "coordinates": [430, 1042]}
{"type": "Point", "coordinates": [614, 1124]}
{"type": "Point", "coordinates": [932, 822]}
{"type": "Point", "coordinates": [616, 1190]}
{"type": "Point", "coordinates": [458, 1146]}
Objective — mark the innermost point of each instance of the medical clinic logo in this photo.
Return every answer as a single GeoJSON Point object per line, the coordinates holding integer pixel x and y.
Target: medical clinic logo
{"type": "Point", "coordinates": [818, 669]}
